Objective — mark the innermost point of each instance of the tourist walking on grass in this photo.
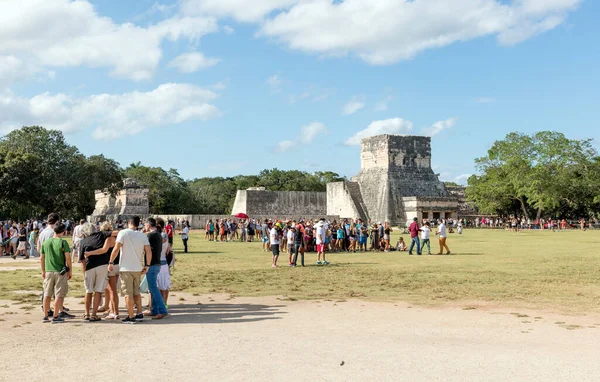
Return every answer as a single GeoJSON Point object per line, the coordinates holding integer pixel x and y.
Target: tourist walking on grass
{"type": "Point", "coordinates": [275, 239]}
{"type": "Point", "coordinates": [184, 236]}
{"type": "Point", "coordinates": [134, 248]}
{"type": "Point", "coordinates": [425, 231]}
{"type": "Point", "coordinates": [414, 229]}
{"type": "Point", "coordinates": [441, 231]}
{"type": "Point", "coordinates": [158, 309]}
{"type": "Point", "coordinates": [55, 261]}
{"type": "Point", "coordinates": [320, 240]}
{"type": "Point", "coordinates": [298, 243]}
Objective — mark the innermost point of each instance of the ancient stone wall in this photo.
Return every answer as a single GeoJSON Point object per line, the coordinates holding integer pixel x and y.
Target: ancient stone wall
{"type": "Point", "coordinates": [293, 204]}
{"type": "Point", "coordinates": [345, 199]}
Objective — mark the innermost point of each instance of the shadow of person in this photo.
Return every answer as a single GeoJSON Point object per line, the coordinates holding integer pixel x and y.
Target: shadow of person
{"type": "Point", "coordinates": [219, 313]}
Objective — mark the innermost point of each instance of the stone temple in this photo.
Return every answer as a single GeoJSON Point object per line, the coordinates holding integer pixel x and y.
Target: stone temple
{"type": "Point", "coordinates": [395, 184]}
{"type": "Point", "coordinates": [131, 200]}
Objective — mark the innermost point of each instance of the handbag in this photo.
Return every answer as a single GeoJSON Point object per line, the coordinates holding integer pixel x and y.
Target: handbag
{"type": "Point", "coordinates": [144, 285]}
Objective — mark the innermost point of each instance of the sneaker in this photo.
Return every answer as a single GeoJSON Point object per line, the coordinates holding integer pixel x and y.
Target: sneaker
{"type": "Point", "coordinates": [139, 317]}
{"type": "Point", "coordinates": [45, 320]}
{"type": "Point", "coordinates": [128, 320]}
{"type": "Point", "coordinates": [318, 263]}
{"type": "Point", "coordinates": [64, 315]}
{"type": "Point", "coordinates": [50, 313]}
{"type": "Point", "coordinates": [57, 320]}
{"type": "Point", "coordinates": [448, 253]}
{"type": "Point", "coordinates": [325, 262]}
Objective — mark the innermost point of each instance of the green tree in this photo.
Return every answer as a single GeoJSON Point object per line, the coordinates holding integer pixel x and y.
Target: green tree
{"type": "Point", "coordinates": [544, 171]}
{"type": "Point", "coordinates": [40, 173]}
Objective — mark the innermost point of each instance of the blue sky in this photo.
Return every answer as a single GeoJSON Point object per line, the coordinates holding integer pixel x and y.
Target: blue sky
{"type": "Point", "coordinates": [226, 87]}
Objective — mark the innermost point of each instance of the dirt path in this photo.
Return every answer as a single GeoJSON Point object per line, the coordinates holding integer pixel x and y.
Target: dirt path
{"type": "Point", "coordinates": [266, 339]}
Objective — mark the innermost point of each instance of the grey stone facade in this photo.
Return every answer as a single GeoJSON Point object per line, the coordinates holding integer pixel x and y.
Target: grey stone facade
{"type": "Point", "coordinates": [396, 182]}
{"type": "Point", "coordinates": [292, 204]}
{"type": "Point", "coordinates": [131, 200]}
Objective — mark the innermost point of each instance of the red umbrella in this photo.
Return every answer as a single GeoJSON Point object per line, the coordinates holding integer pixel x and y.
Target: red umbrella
{"type": "Point", "coordinates": [241, 216]}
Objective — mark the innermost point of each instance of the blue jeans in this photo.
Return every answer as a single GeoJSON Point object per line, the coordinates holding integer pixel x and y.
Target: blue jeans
{"type": "Point", "coordinates": [415, 240]}
{"type": "Point", "coordinates": [158, 305]}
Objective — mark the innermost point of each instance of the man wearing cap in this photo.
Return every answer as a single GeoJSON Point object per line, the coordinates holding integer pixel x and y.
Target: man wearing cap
{"type": "Point", "coordinates": [414, 229]}
{"type": "Point", "coordinates": [320, 238]}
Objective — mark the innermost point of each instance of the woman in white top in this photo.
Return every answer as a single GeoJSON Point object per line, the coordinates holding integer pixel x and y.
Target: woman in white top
{"type": "Point", "coordinates": [164, 277]}
{"type": "Point", "coordinates": [184, 236]}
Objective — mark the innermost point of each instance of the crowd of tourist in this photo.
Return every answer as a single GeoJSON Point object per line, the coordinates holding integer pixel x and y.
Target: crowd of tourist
{"type": "Point", "coordinates": [137, 258]}
{"type": "Point", "coordinates": [126, 256]}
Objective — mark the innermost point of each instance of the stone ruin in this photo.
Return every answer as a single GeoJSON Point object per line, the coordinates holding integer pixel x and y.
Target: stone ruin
{"type": "Point", "coordinates": [131, 200]}
{"type": "Point", "coordinates": [395, 184]}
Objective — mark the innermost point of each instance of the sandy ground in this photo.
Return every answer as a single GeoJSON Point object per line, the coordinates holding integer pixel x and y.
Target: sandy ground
{"type": "Point", "coordinates": [213, 338]}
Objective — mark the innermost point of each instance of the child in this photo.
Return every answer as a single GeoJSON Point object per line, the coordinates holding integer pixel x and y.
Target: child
{"type": "Point", "coordinates": [401, 246]}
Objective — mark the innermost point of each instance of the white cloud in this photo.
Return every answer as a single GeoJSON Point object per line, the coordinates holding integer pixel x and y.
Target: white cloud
{"type": "Point", "coordinates": [387, 31]}
{"type": "Point", "coordinates": [307, 135]}
{"type": "Point", "coordinates": [240, 10]}
{"type": "Point", "coordinates": [462, 179]}
{"type": "Point", "coordinates": [311, 131]}
{"type": "Point", "coordinates": [284, 146]}
{"type": "Point", "coordinates": [354, 105]}
{"type": "Point", "coordinates": [274, 82]}
{"type": "Point", "coordinates": [386, 126]}
{"type": "Point", "coordinates": [228, 30]}
{"type": "Point", "coordinates": [192, 62]}
{"type": "Point", "coordinates": [439, 126]}
{"type": "Point", "coordinates": [383, 104]}
{"type": "Point", "coordinates": [111, 115]}
{"type": "Point", "coordinates": [485, 100]}
{"type": "Point", "coordinates": [64, 33]}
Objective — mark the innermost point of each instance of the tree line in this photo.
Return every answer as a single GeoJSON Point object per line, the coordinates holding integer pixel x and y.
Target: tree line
{"type": "Point", "coordinates": [40, 172]}
{"type": "Point", "coordinates": [544, 174]}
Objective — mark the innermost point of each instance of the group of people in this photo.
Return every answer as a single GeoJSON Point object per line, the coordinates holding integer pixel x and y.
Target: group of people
{"type": "Point", "coordinates": [298, 237]}
{"type": "Point", "coordinates": [518, 224]}
{"type": "Point", "coordinates": [108, 257]}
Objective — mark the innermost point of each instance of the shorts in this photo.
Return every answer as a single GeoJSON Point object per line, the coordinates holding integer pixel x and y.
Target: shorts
{"type": "Point", "coordinates": [265, 239]}
{"type": "Point", "coordinates": [115, 271]}
{"type": "Point", "coordinates": [386, 237]}
{"type": "Point", "coordinates": [22, 246]}
{"type": "Point", "coordinates": [320, 247]}
{"type": "Point", "coordinates": [363, 240]}
{"type": "Point", "coordinates": [55, 284]}
{"type": "Point", "coordinates": [290, 248]}
{"type": "Point", "coordinates": [131, 283]}
{"type": "Point", "coordinates": [96, 279]}
{"type": "Point", "coordinates": [275, 249]}
{"type": "Point", "coordinates": [170, 240]}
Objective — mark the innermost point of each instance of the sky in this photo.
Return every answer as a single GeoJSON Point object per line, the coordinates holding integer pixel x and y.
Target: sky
{"type": "Point", "coordinates": [227, 87]}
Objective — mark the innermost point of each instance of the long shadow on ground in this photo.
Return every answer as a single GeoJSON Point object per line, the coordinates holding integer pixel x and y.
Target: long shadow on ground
{"type": "Point", "coordinates": [219, 314]}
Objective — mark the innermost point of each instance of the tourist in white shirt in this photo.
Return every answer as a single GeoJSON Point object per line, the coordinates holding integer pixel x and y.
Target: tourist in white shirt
{"type": "Point", "coordinates": [291, 237]}
{"type": "Point", "coordinates": [274, 240]}
{"type": "Point", "coordinates": [441, 231]}
{"type": "Point", "coordinates": [320, 238]}
{"type": "Point", "coordinates": [425, 230]}
{"type": "Point", "coordinates": [132, 245]}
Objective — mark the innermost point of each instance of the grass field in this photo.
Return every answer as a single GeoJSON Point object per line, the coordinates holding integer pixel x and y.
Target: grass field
{"type": "Point", "coordinates": [542, 270]}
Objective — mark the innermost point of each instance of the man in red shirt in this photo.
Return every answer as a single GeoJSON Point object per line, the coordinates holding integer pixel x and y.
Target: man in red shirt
{"type": "Point", "coordinates": [414, 229]}
{"type": "Point", "coordinates": [169, 232]}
